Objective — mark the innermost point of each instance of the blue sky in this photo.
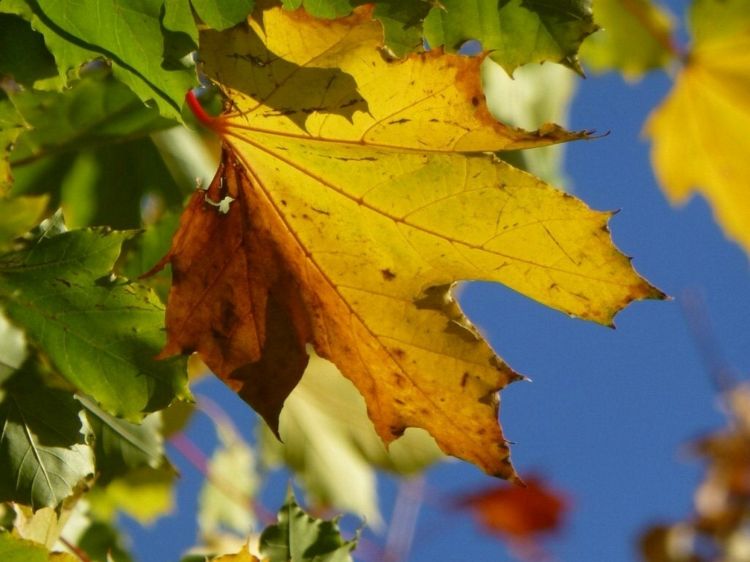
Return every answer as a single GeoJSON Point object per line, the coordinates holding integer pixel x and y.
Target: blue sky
{"type": "Point", "coordinates": [609, 413]}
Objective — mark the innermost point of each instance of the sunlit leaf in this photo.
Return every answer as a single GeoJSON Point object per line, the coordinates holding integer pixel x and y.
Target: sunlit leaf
{"type": "Point", "coordinates": [515, 32]}
{"type": "Point", "coordinates": [321, 8]}
{"type": "Point", "coordinates": [635, 37]}
{"type": "Point", "coordinates": [23, 56]}
{"type": "Point", "coordinates": [221, 14]}
{"type": "Point", "coordinates": [120, 445]}
{"type": "Point", "coordinates": [43, 450]}
{"type": "Point", "coordinates": [298, 537]}
{"type": "Point", "coordinates": [345, 209]}
{"type": "Point", "coordinates": [699, 132]}
{"type": "Point", "coordinates": [100, 332]}
{"type": "Point", "coordinates": [42, 526]}
{"type": "Point", "coordinates": [94, 111]}
{"type": "Point", "coordinates": [14, 549]}
{"type": "Point", "coordinates": [131, 34]}
{"type": "Point", "coordinates": [68, 57]}
{"type": "Point", "coordinates": [11, 126]}
{"type": "Point", "coordinates": [20, 214]}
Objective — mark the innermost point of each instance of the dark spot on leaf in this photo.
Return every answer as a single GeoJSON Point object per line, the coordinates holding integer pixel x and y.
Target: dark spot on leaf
{"type": "Point", "coordinates": [474, 101]}
{"type": "Point", "coordinates": [388, 275]}
{"type": "Point", "coordinates": [464, 380]}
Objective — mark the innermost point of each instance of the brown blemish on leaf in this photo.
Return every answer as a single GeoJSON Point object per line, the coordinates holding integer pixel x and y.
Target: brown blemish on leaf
{"type": "Point", "coordinates": [388, 275]}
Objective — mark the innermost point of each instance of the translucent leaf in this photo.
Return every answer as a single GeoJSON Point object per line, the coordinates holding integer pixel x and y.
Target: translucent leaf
{"type": "Point", "coordinates": [100, 332]}
{"type": "Point", "coordinates": [298, 537]}
{"type": "Point", "coordinates": [131, 34]}
{"type": "Point", "coordinates": [43, 450]}
{"type": "Point", "coordinates": [514, 32]}
{"type": "Point", "coordinates": [635, 37]}
{"type": "Point", "coordinates": [221, 14]}
{"type": "Point", "coordinates": [120, 445]}
{"type": "Point", "coordinates": [23, 55]}
{"type": "Point", "coordinates": [13, 549]}
{"type": "Point", "coordinates": [699, 131]}
{"type": "Point", "coordinates": [96, 110]}
{"type": "Point", "coordinates": [353, 193]}
{"type": "Point", "coordinates": [20, 214]}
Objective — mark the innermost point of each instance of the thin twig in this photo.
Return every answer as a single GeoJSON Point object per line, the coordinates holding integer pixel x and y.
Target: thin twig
{"type": "Point", "coordinates": [722, 374]}
{"type": "Point", "coordinates": [77, 551]}
{"type": "Point", "coordinates": [404, 519]}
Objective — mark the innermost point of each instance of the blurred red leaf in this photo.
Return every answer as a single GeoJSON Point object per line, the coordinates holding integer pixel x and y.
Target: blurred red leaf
{"type": "Point", "coordinates": [519, 513]}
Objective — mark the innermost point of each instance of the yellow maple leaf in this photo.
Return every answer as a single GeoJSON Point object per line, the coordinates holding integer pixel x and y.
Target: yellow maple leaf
{"type": "Point", "coordinates": [357, 191]}
{"type": "Point", "coordinates": [699, 132]}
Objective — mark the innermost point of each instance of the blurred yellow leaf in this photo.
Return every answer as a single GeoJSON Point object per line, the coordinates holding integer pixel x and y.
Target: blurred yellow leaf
{"type": "Point", "coordinates": [635, 37]}
{"type": "Point", "coordinates": [354, 192]}
{"type": "Point", "coordinates": [700, 131]}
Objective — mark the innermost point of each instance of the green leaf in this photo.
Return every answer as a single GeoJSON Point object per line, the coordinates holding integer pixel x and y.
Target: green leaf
{"type": "Point", "coordinates": [515, 32]}
{"type": "Point", "coordinates": [328, 9]}
{"type": "Point", "coordinates": [130, 33]}
{"type": "Point", "coordinates": [178, 17]}
{"type": "Point", "coordinates": [120, 445]}
{"type": "Point", "coordinates": [70, 55]}
{"type": "Point", "coordinates": [221, 14]}
{"type": "Point", "coordinates": [43, 450]}
{"type": "Point", "coordinates": [225, 501]}
{"type": "Point", "coordinates": [23, 55]}
{"type": "Point", "coordinates": [101, 333]}
{"type": "Point", "coordinates": [402, 24]}
{"type": "Point", "coordinates": [101, 541]}
{"type": "Point", "coordinates": [299, 537]}
{"type": "Point", "coordinates": [330, 443]}
{"type": "Point", "coordinates": [11, 126]}
{"type": "Point", "coordinates": [20, 214]}
{"type": "Point", "coordinates": [635, 37]}
{"type": "Point", "coordinates": [96, 110]}
{"type": "Point", "coordinates": [122, 185]}
{"type": "Point", "coordinates": [14, 549]}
